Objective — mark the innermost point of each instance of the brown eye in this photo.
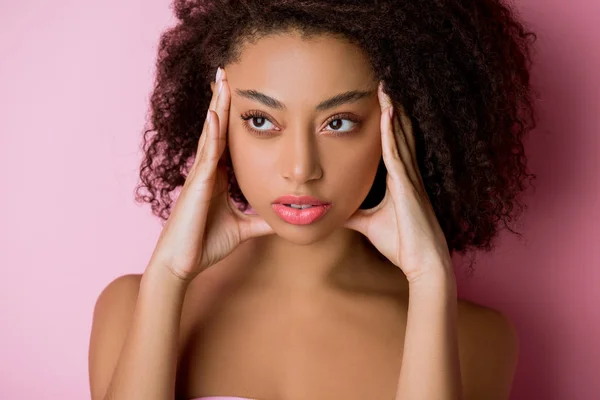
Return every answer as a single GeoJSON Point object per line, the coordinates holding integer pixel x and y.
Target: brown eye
{"type": "Point", "coordinates": [336, 124]}
{"type": "Point", "coordinates": [342, 125]}
{"type": "Point", "coordinates": [257, 123]}
{"type": "Point", "coordinates": [260, 121]}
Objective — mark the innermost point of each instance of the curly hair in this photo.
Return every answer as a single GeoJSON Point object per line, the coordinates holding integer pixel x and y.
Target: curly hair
{"type": "Point", "coordinates": [460, 69]}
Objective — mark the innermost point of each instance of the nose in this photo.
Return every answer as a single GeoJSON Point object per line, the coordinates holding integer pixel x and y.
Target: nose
{"type": "Point", "coordinates": [300, 161]}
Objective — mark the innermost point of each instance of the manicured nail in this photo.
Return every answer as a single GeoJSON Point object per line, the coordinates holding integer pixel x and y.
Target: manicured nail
{"type": "Point", "coordinates": [218, 74]}
{"type": "Point", "coordinates": [391, 112]}
{"type": "Point", "coordinates": [220, 86]}
{"type": "Point", "coordinates": [208, 116]}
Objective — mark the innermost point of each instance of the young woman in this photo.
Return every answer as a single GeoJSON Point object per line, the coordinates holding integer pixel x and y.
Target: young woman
{"type": "Point", "coordinates": [349, 148]}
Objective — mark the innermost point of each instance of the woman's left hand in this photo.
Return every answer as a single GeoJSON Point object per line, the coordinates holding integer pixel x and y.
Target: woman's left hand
{"type": "Point", "coordinates": [404, 227]}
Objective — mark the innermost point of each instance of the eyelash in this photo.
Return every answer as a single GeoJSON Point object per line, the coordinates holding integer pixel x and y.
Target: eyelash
{"type": "Point", "coordinates": [257, 114]}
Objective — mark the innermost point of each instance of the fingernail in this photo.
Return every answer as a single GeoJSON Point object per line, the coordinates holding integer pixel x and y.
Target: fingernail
{"type": "Point", "coordinates": [380, 93]}
{"type": "Point", "coordinates": [220, 87]}
{"type": "Point", "coordinates": [391, 112]}
{"type": "Point", "coordinates": [218, 74]}
{"type": "Point", "coordinates": [208, 116]}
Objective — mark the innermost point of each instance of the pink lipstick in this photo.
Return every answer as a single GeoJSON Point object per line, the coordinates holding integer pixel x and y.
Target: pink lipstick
{"type": "Point", "coordinates": [300, 210]}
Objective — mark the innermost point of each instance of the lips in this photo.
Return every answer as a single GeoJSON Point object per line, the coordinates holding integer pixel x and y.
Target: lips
{"type": "Point", "coordinates": [315, 209]}
{"type": "Point", "coordinates": [300, 200]}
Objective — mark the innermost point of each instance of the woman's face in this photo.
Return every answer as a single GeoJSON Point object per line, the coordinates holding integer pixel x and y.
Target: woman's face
{"type": "Point", "coordinates": [299, 140]}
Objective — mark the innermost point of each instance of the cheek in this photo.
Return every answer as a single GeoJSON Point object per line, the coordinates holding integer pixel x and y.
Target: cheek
{"type": "Point", "coordinates": [356, 171]}
{"type": "Point", "coordinates": [251, 164]}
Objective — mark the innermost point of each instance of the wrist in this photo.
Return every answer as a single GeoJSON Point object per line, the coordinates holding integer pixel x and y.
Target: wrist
{"type": "Point", "coordinates": [440, 279]}
{"type": "Point", "coordinates": [162, 275]}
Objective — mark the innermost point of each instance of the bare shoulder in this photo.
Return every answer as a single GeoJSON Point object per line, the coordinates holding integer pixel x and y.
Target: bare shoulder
{"type": "Point", "coordinates": [115, 304]}
{"type": "Point", "coordinates": [489, 348]}
{"type": "Point", "coordinates": [120, 292]}
{"type": "Point", "coordinates": [111, 320]}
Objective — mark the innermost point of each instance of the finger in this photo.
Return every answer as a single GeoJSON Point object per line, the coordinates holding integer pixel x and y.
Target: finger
{"type": "Point", "coordinates": [209, 155]}
{"type": "Point", "coordinates": [393, 141]}
{"type": "Point", "coordinates": [384, 100]}
{"type": "Point", "coordinates": [211, 106]}
{"type": "Point", "coordinates": [215, 93]}
{"type": "Point", "coordinates": [403, 125]}
{"type": "Point", "coordinates": [389, 148]}
{"type": "Point", "coordinates": [387, 110]}
{"type": "Point", "coordinates": [389, 143]}
{"type": "Point", "coordinates": [223, 103]}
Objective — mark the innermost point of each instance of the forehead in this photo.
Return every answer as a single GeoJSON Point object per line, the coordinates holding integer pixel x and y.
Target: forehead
{"type": "Point", "coordinates": [301, 70]}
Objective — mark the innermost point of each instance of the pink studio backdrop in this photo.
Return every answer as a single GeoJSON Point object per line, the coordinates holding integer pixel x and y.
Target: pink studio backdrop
{"type": "Point", "coordinates": [74, 84]}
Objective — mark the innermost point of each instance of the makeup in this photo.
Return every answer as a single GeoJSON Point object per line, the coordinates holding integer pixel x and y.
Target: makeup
{"type": "Point", "coordinates": [300, 210]}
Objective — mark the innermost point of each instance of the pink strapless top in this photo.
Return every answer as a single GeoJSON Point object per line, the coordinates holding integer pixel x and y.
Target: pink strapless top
{"type": "Point", "coordinates": [221, 398]}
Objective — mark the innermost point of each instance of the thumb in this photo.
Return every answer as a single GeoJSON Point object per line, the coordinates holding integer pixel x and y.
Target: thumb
{"type": "Point", "coordinates": [359, 221]}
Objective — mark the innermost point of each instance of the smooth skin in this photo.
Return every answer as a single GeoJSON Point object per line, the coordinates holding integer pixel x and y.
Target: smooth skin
{"type": "Point", "coordinates": [250, 306]}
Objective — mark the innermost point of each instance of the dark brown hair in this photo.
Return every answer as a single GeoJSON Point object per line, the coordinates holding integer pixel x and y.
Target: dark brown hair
{"type": "Point", "coordinates": [460, 68]}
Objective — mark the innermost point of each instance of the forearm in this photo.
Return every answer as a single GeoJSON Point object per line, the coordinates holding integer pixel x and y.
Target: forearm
{"type": "Point", "coordinates": [430, 364]}
{"type": "Point", "coordinates": [148, 361]}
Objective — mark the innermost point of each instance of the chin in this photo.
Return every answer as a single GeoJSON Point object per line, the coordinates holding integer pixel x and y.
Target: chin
{"type": "Point", "coordinates": [299, 237]}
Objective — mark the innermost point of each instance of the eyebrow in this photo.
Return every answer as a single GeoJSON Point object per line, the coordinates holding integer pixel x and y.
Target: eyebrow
{"type": "Point", "coordinates": [337, 100]}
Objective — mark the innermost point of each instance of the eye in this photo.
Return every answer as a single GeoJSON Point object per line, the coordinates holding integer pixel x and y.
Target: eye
{"type": "Point", "coordinates": [257, 122]}
{"type": "Point", "coordinates": [343, 124]}
{"type": "Point", "coordinates": [260, 123]}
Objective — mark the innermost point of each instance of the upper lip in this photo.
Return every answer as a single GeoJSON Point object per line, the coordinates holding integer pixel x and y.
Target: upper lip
{"type": "Point", "coordinates": [300, 200]}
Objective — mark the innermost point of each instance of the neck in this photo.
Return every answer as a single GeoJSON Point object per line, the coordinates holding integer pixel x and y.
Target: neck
{"type": "Point", "coordinates": [342, 259]}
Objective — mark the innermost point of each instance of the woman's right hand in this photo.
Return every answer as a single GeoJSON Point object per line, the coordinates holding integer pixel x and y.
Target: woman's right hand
{"type": "Point", "coordinates": [204, 225]}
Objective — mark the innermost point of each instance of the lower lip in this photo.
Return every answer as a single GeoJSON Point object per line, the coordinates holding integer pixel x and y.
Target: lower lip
{"type": "Point", "coordinates": [299, 216]}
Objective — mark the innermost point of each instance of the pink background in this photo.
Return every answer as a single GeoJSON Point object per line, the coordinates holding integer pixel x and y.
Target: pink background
{"type": "Point", "coordinates": [74, 84]}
